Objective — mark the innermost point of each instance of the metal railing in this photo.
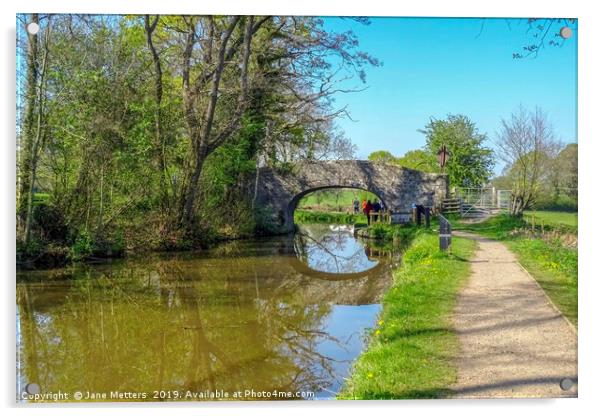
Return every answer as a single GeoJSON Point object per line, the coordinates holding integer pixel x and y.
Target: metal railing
{"type": "Point", "coordinates": [482, 200]}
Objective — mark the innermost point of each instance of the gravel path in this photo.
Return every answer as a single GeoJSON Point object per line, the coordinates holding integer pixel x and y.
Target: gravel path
{"type": "Point", "coordinates": [514, 342]}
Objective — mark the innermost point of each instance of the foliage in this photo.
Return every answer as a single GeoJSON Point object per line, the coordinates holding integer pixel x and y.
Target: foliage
{"type": "Point", "coordinates": [470, 163]}
{"type": "Point", "coordinates": [420, 160]}
{"type": "Point", "coordinates": [82, 247]}
{"type": "Point", "coordinates": [196, 104]}
{"type": "Point", "coordinates": [558, 190]}
{"type": "Point", "coordinates": [411, 351]}
{"type": "Point", "coordinates": [309, 217]}
{"type": "Point", "coordinates": [392, 232]}
{"type": "Point", "coordinates": [382, 156]}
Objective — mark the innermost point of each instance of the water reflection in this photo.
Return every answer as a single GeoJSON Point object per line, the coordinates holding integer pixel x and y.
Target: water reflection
{"type": "Point", "coordinates": [243, 316]}
{"type": "Point", "coordinates": [332, 249]}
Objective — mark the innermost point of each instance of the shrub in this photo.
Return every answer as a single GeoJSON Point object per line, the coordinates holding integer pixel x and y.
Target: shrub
{"type": "Point", "coordinates": [82, 246]}
{"type": "Point", "coordinates": [49, 222]}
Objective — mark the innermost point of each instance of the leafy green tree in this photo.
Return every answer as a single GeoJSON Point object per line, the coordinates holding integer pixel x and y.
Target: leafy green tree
{"type": "Point", "coordinates": [420, 160]}
{"type": "Point", "coordinates": [471, 162]}
{"type": "Point", "coordinates": [382, 156]}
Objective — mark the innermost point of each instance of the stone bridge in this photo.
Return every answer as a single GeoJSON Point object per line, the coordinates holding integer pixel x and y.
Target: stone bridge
{"type": "Point", "coordinates": [398, 188]}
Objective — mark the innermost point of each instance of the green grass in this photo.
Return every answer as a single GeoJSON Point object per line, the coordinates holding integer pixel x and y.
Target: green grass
{"type": "Point", "coordinates": [555, 269]}
{"type": "Point", "coordinates": [410, 353]}
{"type": "Point", "coordinates": [553, 265]}
{"type": "Point", "coordinates": [553, 218]}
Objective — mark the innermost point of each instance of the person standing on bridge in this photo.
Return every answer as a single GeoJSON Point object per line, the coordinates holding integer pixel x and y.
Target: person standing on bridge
{"type": "Point", "coordinates": [367, 209]}
{"type": "Point", "coordinates": [356, 206]}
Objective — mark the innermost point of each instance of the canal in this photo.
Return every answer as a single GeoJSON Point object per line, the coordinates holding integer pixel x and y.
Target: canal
{"type": "Point", "coordinates": [270, 318]}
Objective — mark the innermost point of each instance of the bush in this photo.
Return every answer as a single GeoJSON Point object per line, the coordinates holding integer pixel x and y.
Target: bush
{"type": "Point", "coordinates": [392, 232]}
{"type": "Point", "coordinates": [82, 246]}
{"type": "Point", "coordinates": [562, 203]}
{"type": "Point", "coordinates": [49, 222]}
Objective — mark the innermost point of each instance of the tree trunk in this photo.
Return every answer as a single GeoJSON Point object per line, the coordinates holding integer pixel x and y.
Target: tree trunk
{"type": "Point", "coordinates": [159, 139]}
{"type": "Point", "coordinates": [25, 144]}
{"type": "Point", "coordinates": [190, 194]}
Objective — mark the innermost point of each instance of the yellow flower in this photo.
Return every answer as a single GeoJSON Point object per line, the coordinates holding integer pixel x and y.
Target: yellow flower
{"type": "Point", "coordinates": [378, 332]}
{"type": "Point", "coordinates": [370, 375]}
{"type": "Point", "coordinates": [381, 322]}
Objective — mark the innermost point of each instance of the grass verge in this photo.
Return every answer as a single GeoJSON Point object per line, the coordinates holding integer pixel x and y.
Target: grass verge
{"type": "Point", "coordinates": [410, 353]}
{"type": "Point", "coordinates": [553, 265]}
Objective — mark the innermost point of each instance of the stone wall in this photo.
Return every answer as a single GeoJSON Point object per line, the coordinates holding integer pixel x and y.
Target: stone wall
{"type": "Point", "coordinates": [279, 192]}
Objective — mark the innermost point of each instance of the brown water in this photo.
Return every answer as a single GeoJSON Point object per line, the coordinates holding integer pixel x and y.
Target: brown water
{"type": "Point", "coordinates": [273, 318]}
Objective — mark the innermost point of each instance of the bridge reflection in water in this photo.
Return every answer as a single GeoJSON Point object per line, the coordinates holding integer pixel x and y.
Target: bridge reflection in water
{"type": "Point", "coordinates": [276, 313]}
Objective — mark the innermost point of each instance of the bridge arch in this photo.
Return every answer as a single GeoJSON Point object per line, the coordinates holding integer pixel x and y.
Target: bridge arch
{"type": "Point", "coordinates": [295, 201]}
{"type": "Point", "coordinates": [278, 192]}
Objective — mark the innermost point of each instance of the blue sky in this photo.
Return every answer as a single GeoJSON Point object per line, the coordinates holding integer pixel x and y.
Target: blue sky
{"type": "Point", "coordinates": [436, 66]}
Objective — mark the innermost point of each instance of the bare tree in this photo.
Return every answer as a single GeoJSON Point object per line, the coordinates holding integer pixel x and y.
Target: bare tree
{"type": "Point", "coordinates": [526, 142]}
{"type": "Point", "coordinates": [219, 52]}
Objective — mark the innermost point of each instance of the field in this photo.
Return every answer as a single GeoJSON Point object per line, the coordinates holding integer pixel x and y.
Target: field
{"type": "Point", "coordinates": [553, 218]}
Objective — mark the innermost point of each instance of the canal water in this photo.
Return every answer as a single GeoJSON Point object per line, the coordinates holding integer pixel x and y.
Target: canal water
{"type": "Point", "coordinates": [271, 318]}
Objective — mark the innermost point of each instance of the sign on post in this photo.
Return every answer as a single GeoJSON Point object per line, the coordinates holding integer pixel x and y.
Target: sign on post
{"type": "Point", "coordinates": [444, 234]}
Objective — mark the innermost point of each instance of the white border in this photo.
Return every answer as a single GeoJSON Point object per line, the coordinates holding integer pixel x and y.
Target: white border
{"type": "Point", "coordinates": [590, 291]}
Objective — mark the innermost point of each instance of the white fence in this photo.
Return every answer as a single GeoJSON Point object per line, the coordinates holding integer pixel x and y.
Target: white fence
{"type": "Point", "coordinates": [484, 198]}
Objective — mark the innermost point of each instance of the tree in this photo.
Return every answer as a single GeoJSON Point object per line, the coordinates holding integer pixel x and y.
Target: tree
{"type": "Point", "coordinates": [217, 74]}
{"type": "Point", "coordinates": [526, 143]}
{"type": "Point", "coordinates": [196, 104]}
{"type": "Point", "coordinates": [567, 166]}
{"type": "Point", "coordinates": [471, 162]}
{"type": "Point", "coordinates": [382, 156]}
{"type": "Point", "coordinates": [150, 25]}
{"type": "Point", "coordinates": [503, 182]}
{"type": "Point", "coordinates": [27, 131]}
{"type": "Point", "coordinates": [35, 121]}
{"type": "Point", "coordinates": [420, 160]}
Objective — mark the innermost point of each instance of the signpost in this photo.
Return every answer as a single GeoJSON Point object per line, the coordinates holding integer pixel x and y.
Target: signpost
{"type": "Point", "coordinates": [444, 234]}
{"type": "Point", "coordinates": [443, 157]}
